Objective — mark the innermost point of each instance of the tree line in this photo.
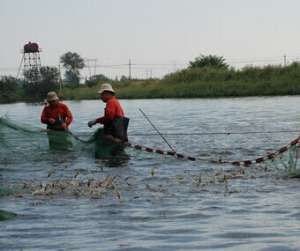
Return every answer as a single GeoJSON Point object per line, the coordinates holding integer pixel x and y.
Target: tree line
{"type": "Point", "coordinates": [205, 71]}
{"type": "Point", "coordinates": [38, 81]}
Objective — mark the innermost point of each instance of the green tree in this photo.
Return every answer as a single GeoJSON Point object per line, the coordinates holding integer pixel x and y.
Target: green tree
{"type": "Point", "coordinates": [208, 61]}
{"type": "Point", "coordinates": [8, 88]}
{"type": "Point", "coordinates": [48, 81]}
{"type": "Point", "coordinates": [124, 79]}
{"type": "Point", "coordinates": [72, 62]}
{"type": "Point", "coordinates": [96, 79]}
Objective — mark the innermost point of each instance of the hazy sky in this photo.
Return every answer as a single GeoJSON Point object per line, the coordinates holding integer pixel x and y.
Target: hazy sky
{"type": "Point", "coordinates": [158, 35]}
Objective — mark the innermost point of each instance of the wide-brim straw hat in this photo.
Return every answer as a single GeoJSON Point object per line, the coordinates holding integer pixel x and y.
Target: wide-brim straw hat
{"type": "Point", "coordinates": [106, 87]}
{"type": "Point", "coordinates": [52, 96]}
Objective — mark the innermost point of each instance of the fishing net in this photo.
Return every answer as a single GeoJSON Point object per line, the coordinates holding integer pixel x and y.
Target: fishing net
{"type": "Point", "coordinates": [6, 215]}
{"type": "Point", "coordinates": [5, 121]}
{"type": "Point", "coordinates": [16, 137]}
{"type": "Point", "coordinates": [287, 161]}
{"type": "Point", "coordinates": [285, 158]}
{"type": "Point", "coordinates": [22, 142]}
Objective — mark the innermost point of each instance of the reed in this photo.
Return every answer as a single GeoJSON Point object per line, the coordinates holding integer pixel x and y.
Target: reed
{"type": "Point", "coordinates": [203, 82]}
{"type": "Point", "coordinates": [210, 82]}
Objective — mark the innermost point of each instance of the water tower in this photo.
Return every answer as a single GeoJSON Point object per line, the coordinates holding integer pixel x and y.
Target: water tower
{"type": "Point", "coordinates": [31, 62]}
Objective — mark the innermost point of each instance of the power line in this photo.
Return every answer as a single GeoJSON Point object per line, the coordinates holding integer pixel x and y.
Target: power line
{"type": "Point", "coordinates": [162, 68]}
{"type": "Point", "coordinates": [129, 68]}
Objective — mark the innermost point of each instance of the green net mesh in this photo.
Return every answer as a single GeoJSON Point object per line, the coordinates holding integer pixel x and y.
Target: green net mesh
{"type": "Point", "coordinates": [14, 135]}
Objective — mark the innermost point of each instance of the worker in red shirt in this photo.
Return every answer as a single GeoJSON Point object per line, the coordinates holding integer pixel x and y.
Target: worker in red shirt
{"type": "Point", "coordinates": [114, 120]}
{"type": "Point", "coordinates": [56, 115]}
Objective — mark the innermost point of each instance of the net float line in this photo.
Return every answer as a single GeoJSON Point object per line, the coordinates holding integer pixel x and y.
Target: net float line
{"type": "Point", "coordinates": [160, 151]}
{"type": "Point", "coordinates": [270, 156]}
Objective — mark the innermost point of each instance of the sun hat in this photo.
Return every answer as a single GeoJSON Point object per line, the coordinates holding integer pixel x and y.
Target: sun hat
{"type": "Point", "coordinates": [52, 96]}
{"type": "Point", "coordinates": [106, 87]}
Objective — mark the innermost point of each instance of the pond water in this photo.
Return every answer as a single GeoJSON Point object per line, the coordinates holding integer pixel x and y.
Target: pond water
{"type": "Point", "coordinates": [154, 202]}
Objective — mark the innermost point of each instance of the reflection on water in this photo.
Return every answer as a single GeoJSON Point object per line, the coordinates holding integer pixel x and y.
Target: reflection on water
{"type": "Point", "coordinates": [68, 200]}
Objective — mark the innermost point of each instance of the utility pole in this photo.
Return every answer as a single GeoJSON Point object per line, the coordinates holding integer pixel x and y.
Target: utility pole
{"type": "Point", "coordinates": [284, 60]}
{"type": "Point", "coordinates": [148, 73]}
{"type": "Point", "coordinates": [174, 66]}
{"type": "Point", "coordinates": [95, 65]}
{"type": "Point", "coordinates": [88, 65]}
{"type": "Point", "coordinates": [60, 83]}
{"type": "Point", "coordinates": [129, 65]}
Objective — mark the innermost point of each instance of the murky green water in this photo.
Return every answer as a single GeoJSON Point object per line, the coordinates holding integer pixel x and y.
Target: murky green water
{"type": "Point", "coordinates": [156, 202]}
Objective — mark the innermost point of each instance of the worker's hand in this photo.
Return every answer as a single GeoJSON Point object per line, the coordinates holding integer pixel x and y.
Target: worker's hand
{"type": "Point", "coordinates": [51, 121]}
{"type": "Point", "coordinates": [64, 126]}
{"type": "Point", "coordinates": [92, 122]}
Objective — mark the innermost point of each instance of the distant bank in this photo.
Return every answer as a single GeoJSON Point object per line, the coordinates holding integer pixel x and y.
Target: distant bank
{"type": "Point", "coordinates": [204, 82]}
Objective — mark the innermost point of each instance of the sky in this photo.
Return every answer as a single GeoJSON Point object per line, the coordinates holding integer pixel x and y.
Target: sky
{"type": "Point", "coordinates": [158, 36]}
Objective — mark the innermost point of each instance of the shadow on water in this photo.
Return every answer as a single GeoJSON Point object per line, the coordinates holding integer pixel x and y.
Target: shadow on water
{"type": "Point", "coordinates": [117, 161]}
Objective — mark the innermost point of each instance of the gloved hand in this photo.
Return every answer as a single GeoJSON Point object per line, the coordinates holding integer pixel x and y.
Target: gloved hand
{"type": "Point", "coordinates": [64, 126]}
{"type": "Point", "coordinates": [92, 122]}
{"type": "Point", "coordinates": [51, 121]}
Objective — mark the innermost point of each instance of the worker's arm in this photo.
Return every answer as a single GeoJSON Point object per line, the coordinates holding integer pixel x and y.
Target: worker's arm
{"type": "Point", "coordinates": [69, 116]}
{"type": "Point", "coordinates": [44, 117]}
{"type": "Point", "coordinates": [109, 114]}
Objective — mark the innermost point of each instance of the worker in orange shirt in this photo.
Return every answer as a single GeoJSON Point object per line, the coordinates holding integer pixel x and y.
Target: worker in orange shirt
{"type": "Point", "coordinates": [114, 121]}
{"type": "Point", "coordinates": [56, 115]}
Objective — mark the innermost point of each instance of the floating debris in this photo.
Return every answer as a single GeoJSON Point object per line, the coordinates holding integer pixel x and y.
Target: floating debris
{"type": "Point", "coordinates": [5, 215]}
{"type": "Point", "coordinates": [93, 188]}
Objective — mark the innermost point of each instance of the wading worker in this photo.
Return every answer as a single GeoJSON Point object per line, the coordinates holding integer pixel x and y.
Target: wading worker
{"type": "Point", "coordinates": [114, 121]}
{"type": "Point", "coordinates": [56, 115]}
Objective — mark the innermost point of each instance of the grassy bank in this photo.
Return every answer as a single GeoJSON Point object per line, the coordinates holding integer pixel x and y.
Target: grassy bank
{"type": "Point", "coordinates": [201, 82]}
{"type": "Point", "coordinates": [206, 82]}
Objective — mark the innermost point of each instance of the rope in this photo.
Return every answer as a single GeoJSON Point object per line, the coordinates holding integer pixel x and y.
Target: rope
{"type": "Point", "coordinates": [208, 133]}
{"type": "Point", "coordinates": [155, 128]}
{"type": "Point", "coordinates": [159, 151]}
{"type": "Point", "coordinates": [215, 133]}
{"type": "Point", "coordinates": [270, 156]}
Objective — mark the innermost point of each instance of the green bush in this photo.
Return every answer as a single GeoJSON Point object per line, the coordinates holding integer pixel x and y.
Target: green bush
{"type": "Point", "coordinates": [191, 83]}
{"type": "Point", "coordinates": [8, 89]}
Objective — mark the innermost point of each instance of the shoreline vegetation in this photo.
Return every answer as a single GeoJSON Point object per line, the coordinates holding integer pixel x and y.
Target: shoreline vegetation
{"type": "Point", "coordinates": [206, 77]}
{"type": "Point", "coordinates": [205, 83]}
